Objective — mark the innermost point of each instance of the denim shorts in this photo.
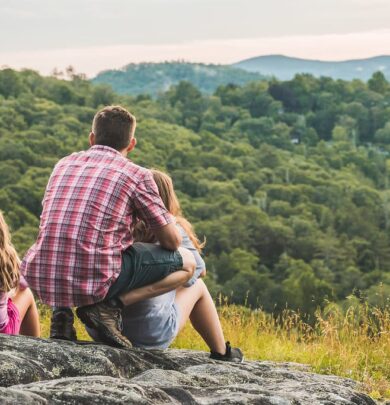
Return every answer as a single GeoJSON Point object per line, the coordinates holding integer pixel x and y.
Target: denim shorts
{"type": "Point", "coordinates": [143, 264]}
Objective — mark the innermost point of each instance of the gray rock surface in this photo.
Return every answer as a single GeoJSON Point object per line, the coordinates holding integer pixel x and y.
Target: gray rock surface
{"type": "Point", "coordinates": [35, 371]}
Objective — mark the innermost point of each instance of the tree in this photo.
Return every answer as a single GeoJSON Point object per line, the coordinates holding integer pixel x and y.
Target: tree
{"type": "Point", "coordinates": [303, 290]}
{"type": "Point", "coordinates": [382, 135]}
{"type": "Point", "coordinates": [378, 83]}
{"type": "Point", "coordinates": [102, 95]}
{"type": "Point", "coordinates": [10, 83]}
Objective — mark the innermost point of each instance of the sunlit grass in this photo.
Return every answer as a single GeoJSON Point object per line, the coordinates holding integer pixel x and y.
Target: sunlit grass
{"type": "Point", "coordinates": [354, 344]}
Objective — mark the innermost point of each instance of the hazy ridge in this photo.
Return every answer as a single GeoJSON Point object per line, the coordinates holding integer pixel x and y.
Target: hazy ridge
{"type": "Point", "coordinates": [155, 78]}
{"type": "Point", "coordinates": [285, 67]}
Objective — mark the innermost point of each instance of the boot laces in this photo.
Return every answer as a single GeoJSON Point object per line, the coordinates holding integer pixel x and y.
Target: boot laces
{"type": "Point", "coordinates": [118, 319]}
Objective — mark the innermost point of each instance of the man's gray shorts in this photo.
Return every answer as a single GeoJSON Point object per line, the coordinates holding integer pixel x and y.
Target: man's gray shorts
{"type": "Point", "coordinates": [143, 264]}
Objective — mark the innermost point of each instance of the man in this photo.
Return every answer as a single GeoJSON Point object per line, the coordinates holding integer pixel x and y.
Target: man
{"type": "Point", "coordinates": [84, 255]}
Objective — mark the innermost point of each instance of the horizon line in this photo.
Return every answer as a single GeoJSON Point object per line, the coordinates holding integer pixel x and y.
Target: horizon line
{"type": "Point", "coordinates": [94, 59]}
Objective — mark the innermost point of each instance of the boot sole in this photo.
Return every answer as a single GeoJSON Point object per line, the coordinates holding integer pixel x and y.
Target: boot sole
{"type": "Point", "coordinates": [104, 334]}
{"type": "Point", "coordinates": [228, 361]}
{"type": "Point", "coordinates": [61, 337]}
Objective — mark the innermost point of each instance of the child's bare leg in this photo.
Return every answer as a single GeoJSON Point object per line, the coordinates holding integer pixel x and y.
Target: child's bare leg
{"type": "Point", "coordinates": [195, 303]}
{"type": "Point", "coordinates": [24, 301]}
{"type": "Point", "coordinates": [169, 283]}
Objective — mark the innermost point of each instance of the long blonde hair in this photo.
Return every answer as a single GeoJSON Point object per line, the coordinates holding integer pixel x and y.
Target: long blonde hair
{"type": "Point", "coordinates": [171, 202]}
{"type": "Point", "coordinates": [9, 260]}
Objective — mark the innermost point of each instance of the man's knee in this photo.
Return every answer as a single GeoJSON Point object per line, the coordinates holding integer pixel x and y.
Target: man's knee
{"type": "Point", "coordinates": [189, 263]}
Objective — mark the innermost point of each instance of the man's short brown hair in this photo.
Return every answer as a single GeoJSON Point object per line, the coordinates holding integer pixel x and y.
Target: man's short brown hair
{"type": "Point", "coordinates": [113, 126]}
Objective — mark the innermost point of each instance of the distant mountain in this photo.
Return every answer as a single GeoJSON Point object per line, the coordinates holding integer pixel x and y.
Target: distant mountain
{"type": "Point", "coordinates": [285, 67]}
{"type": "Point", "coordinates": [152, 78]}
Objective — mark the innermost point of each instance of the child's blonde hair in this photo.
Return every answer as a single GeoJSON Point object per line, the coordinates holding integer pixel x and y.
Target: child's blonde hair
{"type": "Point", "coordinates": [9, 260]}
{"type": "Point", "coordinates": [171, 202]}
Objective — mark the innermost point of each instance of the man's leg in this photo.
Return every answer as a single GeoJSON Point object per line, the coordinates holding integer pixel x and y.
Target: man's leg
{"type": "Point", "coordinates": [169, 283]}
{"type": "Point", "coordinates": [147, 271]}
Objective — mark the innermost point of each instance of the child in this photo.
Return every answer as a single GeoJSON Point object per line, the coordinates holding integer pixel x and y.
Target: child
{"type": "Point", "coordinates": [18, 312]}
{"type": "Point", "coordinates": [154, 323]}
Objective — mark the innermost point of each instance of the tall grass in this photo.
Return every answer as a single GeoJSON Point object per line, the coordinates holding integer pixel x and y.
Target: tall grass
{"type": "Point", "coordinates": [354, 343]}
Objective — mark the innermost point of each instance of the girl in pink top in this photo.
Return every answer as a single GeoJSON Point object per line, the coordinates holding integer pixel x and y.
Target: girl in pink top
{"type": "Point", "coordinates": [18, 312]}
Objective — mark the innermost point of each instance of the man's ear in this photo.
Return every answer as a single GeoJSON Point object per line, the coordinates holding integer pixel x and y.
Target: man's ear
{"type": "Point", "coordinates": [133, 142]}
{"type": "Point", "coordinates": [92, 139]}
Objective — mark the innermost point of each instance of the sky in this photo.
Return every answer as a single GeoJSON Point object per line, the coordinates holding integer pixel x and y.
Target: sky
{"type": "Point", "coordinates": [93, 35]}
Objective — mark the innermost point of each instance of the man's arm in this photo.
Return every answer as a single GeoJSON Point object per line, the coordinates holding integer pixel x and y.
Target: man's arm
{"type": "Point", "coordinates": [168, 236]}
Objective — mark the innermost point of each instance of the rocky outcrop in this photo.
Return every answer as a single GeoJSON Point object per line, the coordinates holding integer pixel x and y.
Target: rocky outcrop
{"type": "Point", "coordinates": [35, 371]}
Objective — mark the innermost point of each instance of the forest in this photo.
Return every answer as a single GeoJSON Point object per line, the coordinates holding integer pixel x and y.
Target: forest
{"type": "Point", "coordinates": [287, 180]}
{"type": "Point", "coordinates": [155, 78]}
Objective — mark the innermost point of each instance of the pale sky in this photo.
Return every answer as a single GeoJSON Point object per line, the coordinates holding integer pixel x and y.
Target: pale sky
{"type": "Point", "coordinates": [93, 35]}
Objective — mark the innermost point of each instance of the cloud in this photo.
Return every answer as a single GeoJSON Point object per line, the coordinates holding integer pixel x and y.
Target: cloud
{"type": "Point", "coordinates": [370, 3]}
{"type": "Point", "coordinates": [91, 60]}
{"type": "Point", "coordinates": [17, 13]}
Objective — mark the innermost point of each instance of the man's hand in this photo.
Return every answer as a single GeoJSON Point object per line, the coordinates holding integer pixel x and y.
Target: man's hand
{"type": "Point", "coordinates": [168, 236]}
{"type": "Point", "coordinates": [202, 274]}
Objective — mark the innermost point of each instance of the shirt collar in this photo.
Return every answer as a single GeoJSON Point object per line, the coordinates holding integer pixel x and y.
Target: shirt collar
{"type": "Point", "coordinates": [105, 149]}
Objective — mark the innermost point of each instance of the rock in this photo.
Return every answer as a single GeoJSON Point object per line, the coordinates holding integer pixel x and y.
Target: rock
{"type": "Point", "coordinates": [36, 371]}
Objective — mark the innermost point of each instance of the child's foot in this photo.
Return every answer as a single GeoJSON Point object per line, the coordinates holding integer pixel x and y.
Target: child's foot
{"type": "Point", "coordinates": [61, 326]}
{"type": "Point", "coordinates": [106, 320]}
{"type": "Point", "coordinates": [232, 354]}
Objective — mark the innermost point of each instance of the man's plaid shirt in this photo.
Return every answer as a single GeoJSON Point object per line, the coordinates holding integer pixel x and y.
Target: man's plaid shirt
{"type": "Point", "coordinates": [91, 203]}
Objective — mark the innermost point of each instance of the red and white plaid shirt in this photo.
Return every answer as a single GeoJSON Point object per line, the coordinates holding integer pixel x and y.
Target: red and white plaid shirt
{"type": "Point", "coordinates": [91, 203]}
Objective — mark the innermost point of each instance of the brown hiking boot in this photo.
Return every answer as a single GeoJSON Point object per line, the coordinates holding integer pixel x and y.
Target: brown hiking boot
{"type": "Point", "coordinates": [61, 326]}
{"type": "Point", "coordinates": [106, 320]}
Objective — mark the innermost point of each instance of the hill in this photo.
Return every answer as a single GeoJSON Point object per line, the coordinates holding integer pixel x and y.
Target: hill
{"type": "Point", "coordinates": [285, 67]}
{"type": "Point", "coordinates": [154, 78]}
{"type": "Point", "coordinates": [289, 181]}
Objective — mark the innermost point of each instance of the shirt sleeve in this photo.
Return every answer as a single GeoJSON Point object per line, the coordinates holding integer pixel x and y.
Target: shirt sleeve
{"type": "Point", "coordinates": [148, 204]}
{"type": "Point", "coordinates": [200, 264]}
{"type": "Point", "coordinates": [3, 310]}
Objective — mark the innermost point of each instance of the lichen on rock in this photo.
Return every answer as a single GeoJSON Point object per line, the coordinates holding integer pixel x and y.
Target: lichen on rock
{"type": "Point", "coordinates": [41, 371]}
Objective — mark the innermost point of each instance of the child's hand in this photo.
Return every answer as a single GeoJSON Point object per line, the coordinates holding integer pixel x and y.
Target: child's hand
{"type": "Point", "coordinates": [203, 273]}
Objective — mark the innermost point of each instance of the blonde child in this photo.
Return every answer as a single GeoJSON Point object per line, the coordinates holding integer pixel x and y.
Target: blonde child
{"type": "Point", "coordinates": [154, 323]}
{"type": "Point", "coordinates": [18, 312]}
